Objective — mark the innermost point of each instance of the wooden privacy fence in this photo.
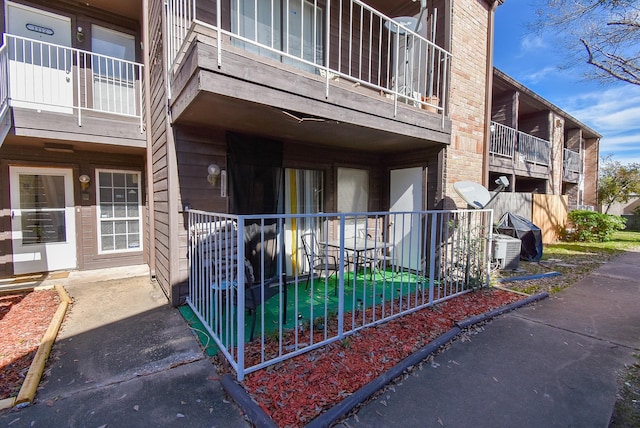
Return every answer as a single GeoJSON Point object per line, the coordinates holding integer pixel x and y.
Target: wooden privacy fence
{"type": "Point", "coordinates": [548, 212]}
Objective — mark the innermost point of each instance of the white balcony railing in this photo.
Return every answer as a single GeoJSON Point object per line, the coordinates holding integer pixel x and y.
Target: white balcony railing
{"type": "Point", "coordinates": [252, 284]}
{"type": "Point", "coordinates": [508, 142]}
{"type": "Point", "coordinates": [503, 140]}
{"type": "Point", "coordinates": [56, 78]}
{"type": "Point", "coordinates": [336, 38]}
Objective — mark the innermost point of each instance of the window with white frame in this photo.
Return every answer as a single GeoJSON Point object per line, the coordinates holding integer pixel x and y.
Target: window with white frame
{"type": "Point", "coordinates": [119, 211]}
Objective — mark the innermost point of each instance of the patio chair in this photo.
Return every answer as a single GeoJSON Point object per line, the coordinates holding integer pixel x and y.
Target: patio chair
{"type": "Point", "coordinates": [378, 258]}
{"type": "Point", "coordinates": [319, 261]}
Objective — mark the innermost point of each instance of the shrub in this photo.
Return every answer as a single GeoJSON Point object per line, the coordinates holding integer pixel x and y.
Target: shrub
{"type": "Point", "coordinates": [591, 226]}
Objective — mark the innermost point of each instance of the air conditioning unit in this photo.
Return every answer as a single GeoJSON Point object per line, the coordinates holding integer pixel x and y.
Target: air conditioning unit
{"type": "Point", "coordinates": [506, 252]}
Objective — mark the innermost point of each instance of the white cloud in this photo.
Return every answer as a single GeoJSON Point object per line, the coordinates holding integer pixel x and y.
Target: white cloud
{"type": "Point", "coordinates": [539, 75]}
{"type": "Point", "coordinates": [612, 110]}
{"type": "Point", "coordinates": [614, 113]}
{"type": "Point", "coordinates": [532, 43]}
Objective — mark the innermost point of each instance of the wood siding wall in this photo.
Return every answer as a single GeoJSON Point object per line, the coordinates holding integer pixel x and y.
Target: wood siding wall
{"type": "Point", "coordinates": [18, 152]}
{"type": "Point", "coordinates": [158, 129]}
{"type": "Point", "coordinates": [504, 109]}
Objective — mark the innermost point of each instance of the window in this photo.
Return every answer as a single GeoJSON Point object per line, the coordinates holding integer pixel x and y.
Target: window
{"type": "Point", "coordinates": [353, 190]}
{"type": "Point", "coordinates": [303, 188]}
{"type": "Point", "coordinates": [291, 26]}
{"type": "Point", "coordinates": [303, 195]}
{"type": "Point", "coordinates": [119, 211]}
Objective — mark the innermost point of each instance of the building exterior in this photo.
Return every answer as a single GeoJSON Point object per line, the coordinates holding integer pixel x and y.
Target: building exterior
{"type": "Point", "coordinates": [539, 147]}
{"type": "Point", "coordinates": [315, 106]}
{"type": "Point", "coordinates": [119, 116]}
{"type": "Point", "coordinates": [73, 189]}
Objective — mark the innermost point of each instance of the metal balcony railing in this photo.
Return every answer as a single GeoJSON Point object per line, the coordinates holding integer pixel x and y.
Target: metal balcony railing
{"type": "Point", "coordinates": [508, 142]}
{"type": "Point", "coordinates": [572, 163]}
{"type": "Point", "coordinates": [503, 140]}
{"type": "Point", "coordinates": [336, 38]}
{"type": "Point", "coordinates": [56, 78]}
{"type": "Point", "coordinates": [534, 150]}
{"type": "Point", "coordinates": [270, 287]}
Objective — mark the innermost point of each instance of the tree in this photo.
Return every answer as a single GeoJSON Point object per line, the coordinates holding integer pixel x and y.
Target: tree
{"type": "Point", "coordinates": [603, 33]}
{"type": "Point", "coordinates": [617, 182]}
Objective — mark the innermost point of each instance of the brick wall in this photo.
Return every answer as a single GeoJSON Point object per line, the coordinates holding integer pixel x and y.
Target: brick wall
{"type": "Point", "coordinates": [592, 152]}
{"type": "Point", "coordinates": [556, 137]}
{"type": "Point", "coordinates": [464, 157]}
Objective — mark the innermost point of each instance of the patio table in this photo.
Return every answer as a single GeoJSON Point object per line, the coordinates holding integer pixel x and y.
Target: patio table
{"type": "Point", "coordinates": [359, 247]}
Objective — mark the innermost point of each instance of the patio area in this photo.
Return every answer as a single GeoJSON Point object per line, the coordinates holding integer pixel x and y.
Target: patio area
{"type": "Point", "coordinates": [386, 265]}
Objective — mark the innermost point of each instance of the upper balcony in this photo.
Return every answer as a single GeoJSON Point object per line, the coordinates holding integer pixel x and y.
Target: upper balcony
{"type": "Point", "coordinates": [519, 153]}
{"type": "Point", "coordinates": [61, 93]}
{"type": "Point", "coordinates": [266, 67]}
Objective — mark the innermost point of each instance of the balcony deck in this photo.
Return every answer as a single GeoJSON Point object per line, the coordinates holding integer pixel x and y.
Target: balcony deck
{"type": "Point", "coordinates": [52, 92]}
{"type": "Point", "coordinates": [351, 90]}
{"type": "Point", "coordinates": [293, 100]}
{"type": "Point", "coordinates": [518, 153]}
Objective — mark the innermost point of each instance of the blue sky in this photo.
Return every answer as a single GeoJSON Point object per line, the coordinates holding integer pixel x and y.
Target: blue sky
{"type": "Point", "coordinates": [533, 60]}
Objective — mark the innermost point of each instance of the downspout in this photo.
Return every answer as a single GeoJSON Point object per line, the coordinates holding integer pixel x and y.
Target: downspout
{"type": "Point", "coordinates": [149, 155]}
{"type": "Point", "coordinates": [488, 90]}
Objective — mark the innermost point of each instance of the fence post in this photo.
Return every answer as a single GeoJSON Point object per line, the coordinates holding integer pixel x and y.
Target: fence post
{"type": "Point", "coordinates": [240, 283]}
{"type": "Point", "coordinates": [341, 279]}
{"type": "Point", "coordinates": [432, 258]}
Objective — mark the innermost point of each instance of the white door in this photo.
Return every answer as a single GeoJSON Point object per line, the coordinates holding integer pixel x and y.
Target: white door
{"type": "Point", "coordinates": [40, 61]}
{"type": "Point", "coordinates": [43, 228]}
{"type": "Point", "coordinates": [113, 80]}
{"type": "Point", "coordinates": [406, 193]}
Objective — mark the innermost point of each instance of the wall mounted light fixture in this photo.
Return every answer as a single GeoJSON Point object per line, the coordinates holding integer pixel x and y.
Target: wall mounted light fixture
{"type": "Point", "coordinates": [213, 171]}
{"type": "Point", "coordinates": [84, 181]}
{"type": "Point", "coordinates": [80, 35]}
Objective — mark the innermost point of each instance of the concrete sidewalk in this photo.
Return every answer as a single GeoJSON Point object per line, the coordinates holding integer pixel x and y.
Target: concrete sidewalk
{"type": "Point", "coordinates": [125, 358]}
{"type": "Point", "coordinates": [553, 364]}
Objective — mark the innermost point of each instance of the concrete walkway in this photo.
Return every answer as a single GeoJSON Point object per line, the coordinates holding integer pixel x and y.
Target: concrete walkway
{"type": "Point", "coordinates": [125, 358]}
{"type": "Point", "coordinates": [553, 364]}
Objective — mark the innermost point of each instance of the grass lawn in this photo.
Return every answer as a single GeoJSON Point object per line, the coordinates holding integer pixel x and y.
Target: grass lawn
{"type": "Point", "coordinates": [573, 260]}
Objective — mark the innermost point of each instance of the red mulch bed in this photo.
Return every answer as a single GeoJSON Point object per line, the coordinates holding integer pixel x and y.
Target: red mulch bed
{"type": "Point", "coordinates": [295, 391]}
{"type": "Point", "coordinates": [24, 318]}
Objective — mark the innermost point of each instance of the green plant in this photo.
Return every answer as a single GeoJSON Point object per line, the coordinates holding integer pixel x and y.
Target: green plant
{"type": "Point", "coordinates": [591, 226]}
